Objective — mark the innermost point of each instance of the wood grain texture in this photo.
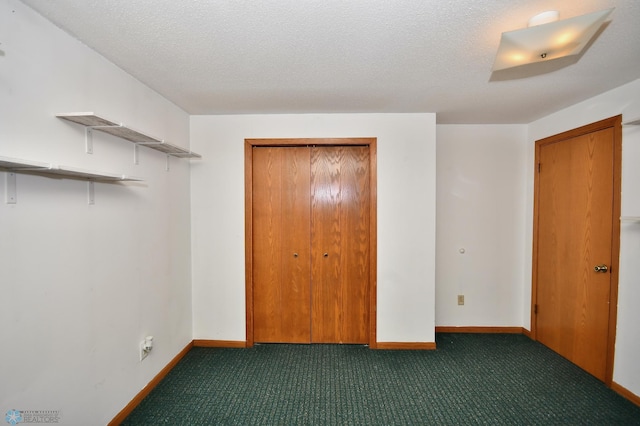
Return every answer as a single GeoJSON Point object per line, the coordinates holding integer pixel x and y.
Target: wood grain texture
{"type": "Point", "coordinates": [248, 241]}
{"type": "Point", "coordinates": [405, 346]}
{"type": "Point", "coordinates": [311, 142]}
{"type": "Point", "coordinates": [340, 244]}
{"type": "Point", "coordinates": [281, 250]}
{"type": "Point", "coordinates": [373, 243]}
{"type": "Point", "coordinates": [207, 343]}
{"type": "Point", "coordinates": [575, 202]}
{"type": "Point", "coordinates": [370, 285]}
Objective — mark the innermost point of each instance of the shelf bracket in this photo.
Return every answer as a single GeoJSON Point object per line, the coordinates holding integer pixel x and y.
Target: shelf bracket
{"type": "Point", "coordinates": [10, 186]}
{"type": "Point", "coordinates": [91, 193]}
{"type": "Point", "coordinates": [136, 159]}
{"type": "Point", "coordinates": [635, 219]}
{"type": "Point", "coordinates": [88, 140]}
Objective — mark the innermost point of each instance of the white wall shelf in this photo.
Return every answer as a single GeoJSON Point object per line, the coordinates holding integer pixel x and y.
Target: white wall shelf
{"type": "Point", "coordinates": [16, 165]}
{"type": "Point", "coordinates": [93, 121]}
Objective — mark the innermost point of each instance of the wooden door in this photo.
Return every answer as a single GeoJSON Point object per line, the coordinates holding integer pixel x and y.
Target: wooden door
{"type": "Point", "coordinates": [576, 201]}
{"type": "Point", "coordinates": [281, 244]}
{"type": "Point", "coordinates": [339, 244]}
{"type": "Point", "coordinates": [311, 244]}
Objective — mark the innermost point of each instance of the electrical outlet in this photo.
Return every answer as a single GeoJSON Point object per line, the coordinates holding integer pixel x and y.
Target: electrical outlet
{"type": "Point", "coordinates": [144, 352]}
{"type": "Point", "coordinates": [461, 299]}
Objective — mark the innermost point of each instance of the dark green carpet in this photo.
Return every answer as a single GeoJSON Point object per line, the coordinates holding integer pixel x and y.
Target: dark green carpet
{"type": "Point", "coordinates": [492, 379]}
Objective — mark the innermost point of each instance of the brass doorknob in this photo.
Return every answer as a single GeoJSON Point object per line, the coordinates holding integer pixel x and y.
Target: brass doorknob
{"type": "Point", "coordinates": [295, 254]}
{"type": "Point", "coordinates": [600, 268]}
{"type": "Point", "coordinates": [326, 255]}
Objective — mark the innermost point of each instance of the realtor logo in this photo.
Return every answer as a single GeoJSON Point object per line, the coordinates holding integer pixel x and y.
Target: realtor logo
{"type": "Point", "coordinates": [13, 417]}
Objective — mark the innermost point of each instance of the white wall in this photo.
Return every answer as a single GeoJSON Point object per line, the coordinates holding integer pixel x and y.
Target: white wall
{"type": "Point", "coordinates": [624, 100]}
{"type": "Point", "coordinates": [481, 182]}
{"type": "Point", "coordinates": [406, 216]}
{"type": "Point", "coordinates": [83, 284]}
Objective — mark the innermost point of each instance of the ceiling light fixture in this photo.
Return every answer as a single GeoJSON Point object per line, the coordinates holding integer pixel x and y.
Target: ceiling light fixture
{"type": "Point", "coordinates": [547, 38]}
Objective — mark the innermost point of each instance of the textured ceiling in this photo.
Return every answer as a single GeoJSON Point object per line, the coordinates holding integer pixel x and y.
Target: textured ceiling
{"type": "Point", "coordinates": [329, 56]}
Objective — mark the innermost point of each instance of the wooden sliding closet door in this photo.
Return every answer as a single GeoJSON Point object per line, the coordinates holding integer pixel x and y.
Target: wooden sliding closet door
{"type": "Point", "coordinates": [281, 244]}
{"type": "Point", "coordinates": [339, 244]}
{"type": "Point", "coordinates": [310, 244]}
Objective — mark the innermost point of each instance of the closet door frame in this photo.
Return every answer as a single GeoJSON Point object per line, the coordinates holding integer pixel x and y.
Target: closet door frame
{"type": "Point", "coordinates": [249, 144]}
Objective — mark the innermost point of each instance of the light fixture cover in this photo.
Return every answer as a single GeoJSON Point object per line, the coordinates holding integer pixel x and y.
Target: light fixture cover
{"type": "Point", "coordinates": [548, 41]}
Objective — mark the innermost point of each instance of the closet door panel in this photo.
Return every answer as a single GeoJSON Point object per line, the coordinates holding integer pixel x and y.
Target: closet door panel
{"type": "Point", "coordinates": [281, 244]}
{"type": "Point", "coordinates": [339, 244]}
